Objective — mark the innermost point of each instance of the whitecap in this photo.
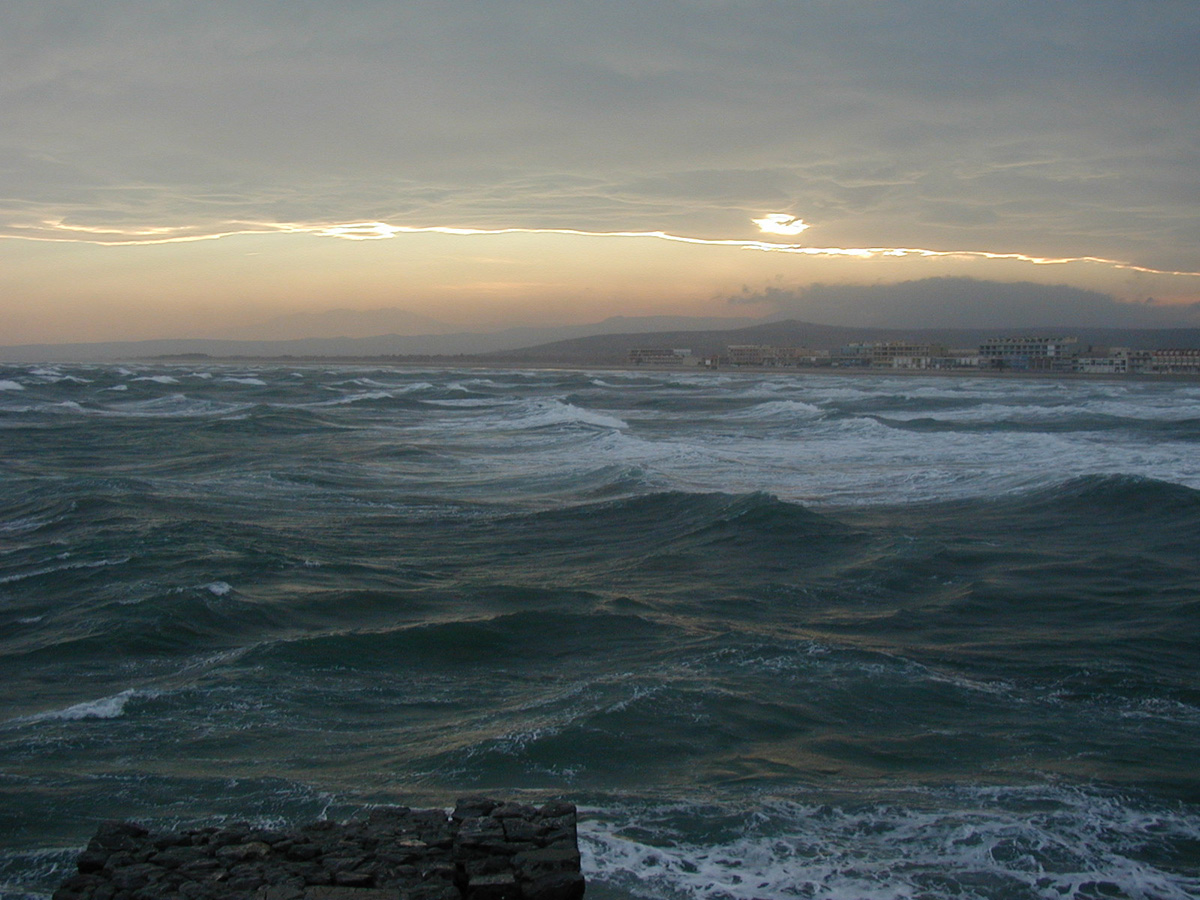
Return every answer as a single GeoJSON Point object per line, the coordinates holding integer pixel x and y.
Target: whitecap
{"type": "Point", "coordinates": [780, 409]}
{"type": "Point", "coordinates": [217, 588]}
{"type": "Point", "coordinates": [555, 412]}
{"type": "Point", "coordinates": [245, 380]}
{"type": "Point", "coordinates": [104, 708]}
{"type": "Point", "coordinates": [356, 398]}
{"type": "Point", "coordinates": [158, 379]}
{"type": "Point", "coordinates": [175, 405]}
{"type": "Point", "coordinates": [7, 385]}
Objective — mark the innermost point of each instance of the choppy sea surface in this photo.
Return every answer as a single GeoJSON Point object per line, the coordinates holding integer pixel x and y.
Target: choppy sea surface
{"type": "Point", "coordinates": [778, 635]}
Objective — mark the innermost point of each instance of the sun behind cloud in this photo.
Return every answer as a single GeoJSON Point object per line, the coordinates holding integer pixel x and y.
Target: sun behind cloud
{"type": "Point", "coordinates": [781, 223]}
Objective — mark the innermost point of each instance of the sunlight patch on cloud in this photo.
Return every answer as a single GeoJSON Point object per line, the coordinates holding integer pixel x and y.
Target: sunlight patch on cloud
{"type": "Point", "coordinates": [362, 231]}
{"type": "Point", "coordinates": [781, 223]}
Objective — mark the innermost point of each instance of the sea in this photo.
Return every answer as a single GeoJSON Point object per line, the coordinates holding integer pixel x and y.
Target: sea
{"type": "Point", "coordinates": [778, 634]}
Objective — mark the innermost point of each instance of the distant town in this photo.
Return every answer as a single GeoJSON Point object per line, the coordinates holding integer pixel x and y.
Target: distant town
{"type": "Point", "coordinates": [1050, 355]}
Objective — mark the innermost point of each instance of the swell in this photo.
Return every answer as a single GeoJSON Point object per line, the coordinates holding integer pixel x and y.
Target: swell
{"type": "Point", "coordinates": [687, 527]}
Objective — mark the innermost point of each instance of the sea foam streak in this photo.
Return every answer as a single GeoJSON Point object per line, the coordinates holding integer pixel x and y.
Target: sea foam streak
{"type": "Point", "coordinates": [993, 843]}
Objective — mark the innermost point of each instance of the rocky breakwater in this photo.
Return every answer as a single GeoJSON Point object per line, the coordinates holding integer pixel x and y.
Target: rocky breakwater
{"type": "Point", "coordinates": [484, 850]}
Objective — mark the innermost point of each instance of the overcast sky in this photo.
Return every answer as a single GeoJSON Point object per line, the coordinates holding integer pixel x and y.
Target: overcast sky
{"type": "Point", "coordinates": [181, 169]}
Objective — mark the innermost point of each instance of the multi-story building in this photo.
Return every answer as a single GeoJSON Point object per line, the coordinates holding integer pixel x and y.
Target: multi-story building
{"type": "Point", "coordinates": [1173, 362]}
{"type": "Point", "coordinates": [904, 354]}
{"type": "Point", "coordinates": [801, 356]}
{"type": "Point", "coordinates": [852, 355]}
{"type": "Point", "coordinates": [1114, 362]}
{"type": "Point", "coordinates": [765, 355]}
{"type": "Point", "coordinates": [1049, 354]}
{"type": "Point", "coordinates": [1124, 361]}
{"type": "Point", "coordinates": [750, 355]}
{"type": "Point", "coordinates": [660, 356]}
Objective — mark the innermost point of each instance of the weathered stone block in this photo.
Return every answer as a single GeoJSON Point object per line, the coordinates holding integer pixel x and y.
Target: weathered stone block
{"type": "Point", "coordinates": [473, 807]}
{"type": "Point", "coordinates": [500, 886]}
{"type": "Point", "coordinates": [130, 878]}
{"type": "Point", "coordinates": [354, 879]}
{"type": "Point", "coordinates": [513, 811]}
{"type": "Point", "coordinates": [346, 893]}
{"type": "Point", "coordinates": [92, 860]}
{"type": "Point", "coordinates": [535, 864]}
{"type": "Point", "coordinates": [279, 892]}
{"type": "Point", "coordinates": [486, 865]}
{"type": "Point", "coordinates": [178, 856]}
{"type": "Point", "coordinates": [303, 852]}
{"type": "Point", "coordinates": [486, 851]}
{"type": "Point", "coordinates": [118, 836]}
{"type": "Point", "coordinates": [232, 853]}
{"type": "Point", "coordinates": [555, 886]}
{"type": "Point", "coordinates": [520, 831]}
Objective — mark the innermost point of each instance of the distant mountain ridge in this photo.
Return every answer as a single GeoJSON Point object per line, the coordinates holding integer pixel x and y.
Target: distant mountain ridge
{"type": "Point", "coordinates": [601, 343]}
{"type": "Point", "coordinates": [436, 344]}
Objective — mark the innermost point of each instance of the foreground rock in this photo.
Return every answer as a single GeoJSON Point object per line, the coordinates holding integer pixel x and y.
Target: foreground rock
{"type": "Point", "coordinates": [484, 850]}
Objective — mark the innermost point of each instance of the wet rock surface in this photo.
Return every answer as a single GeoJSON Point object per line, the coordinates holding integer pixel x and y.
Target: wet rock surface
{"type": "Point", "coordinates": [485, 850]}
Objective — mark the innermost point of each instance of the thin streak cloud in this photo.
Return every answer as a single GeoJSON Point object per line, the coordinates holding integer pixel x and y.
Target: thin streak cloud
{"type": "Point", "coordinates": [780, 223]}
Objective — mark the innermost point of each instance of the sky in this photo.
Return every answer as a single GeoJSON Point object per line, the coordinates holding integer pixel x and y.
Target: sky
{"type": "Point", "coordinates": [176, 169]}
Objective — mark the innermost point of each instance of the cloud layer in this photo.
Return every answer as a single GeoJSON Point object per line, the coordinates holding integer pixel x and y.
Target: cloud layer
{"type": "Point", "coordinates": [1064, 131]}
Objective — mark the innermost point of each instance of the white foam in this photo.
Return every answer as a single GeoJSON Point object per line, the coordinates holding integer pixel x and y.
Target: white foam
{"type": "Point", "coordinates": [158, 379]}
{"type": "Point", "coordinates": [1036, 842]}
{"type": "Point", "coordinates": [467, 403]}
{"type": "Point", "coordinates": [27, 523]}
{"type": "Point", "coordinates": [627, 386]}
{"type": "Point", "coordinates": [245, 380]}
{"type": "Point", "coordinates": [378, 387]}
{"type": "Point", "coordinates": [217, 588]}
{"type": "Point", "coordinates": [542, 413]}
{"type": "Point", "coordinates": [104, 708]}
{"type": "Point", "coordinates": [352, 398]}
{"type": "Point", "coordinates": [49, 570]}
{"type": "Point", "coordinates": [7, 385]}
{"type": "Point", "coordinates": [174, 406]}
{"type": "Point", "coordinates": [781, 409]}
{"type": "Point", "coordinates": [117, 387]}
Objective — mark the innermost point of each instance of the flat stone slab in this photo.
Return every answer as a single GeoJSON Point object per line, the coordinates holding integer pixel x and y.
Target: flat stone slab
{"type": "Point", "coordinates": [485, 849]}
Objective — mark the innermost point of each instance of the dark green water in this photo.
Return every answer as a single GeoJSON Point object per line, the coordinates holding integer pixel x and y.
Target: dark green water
{"type": "Point", "coordinates": [780, 636]}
